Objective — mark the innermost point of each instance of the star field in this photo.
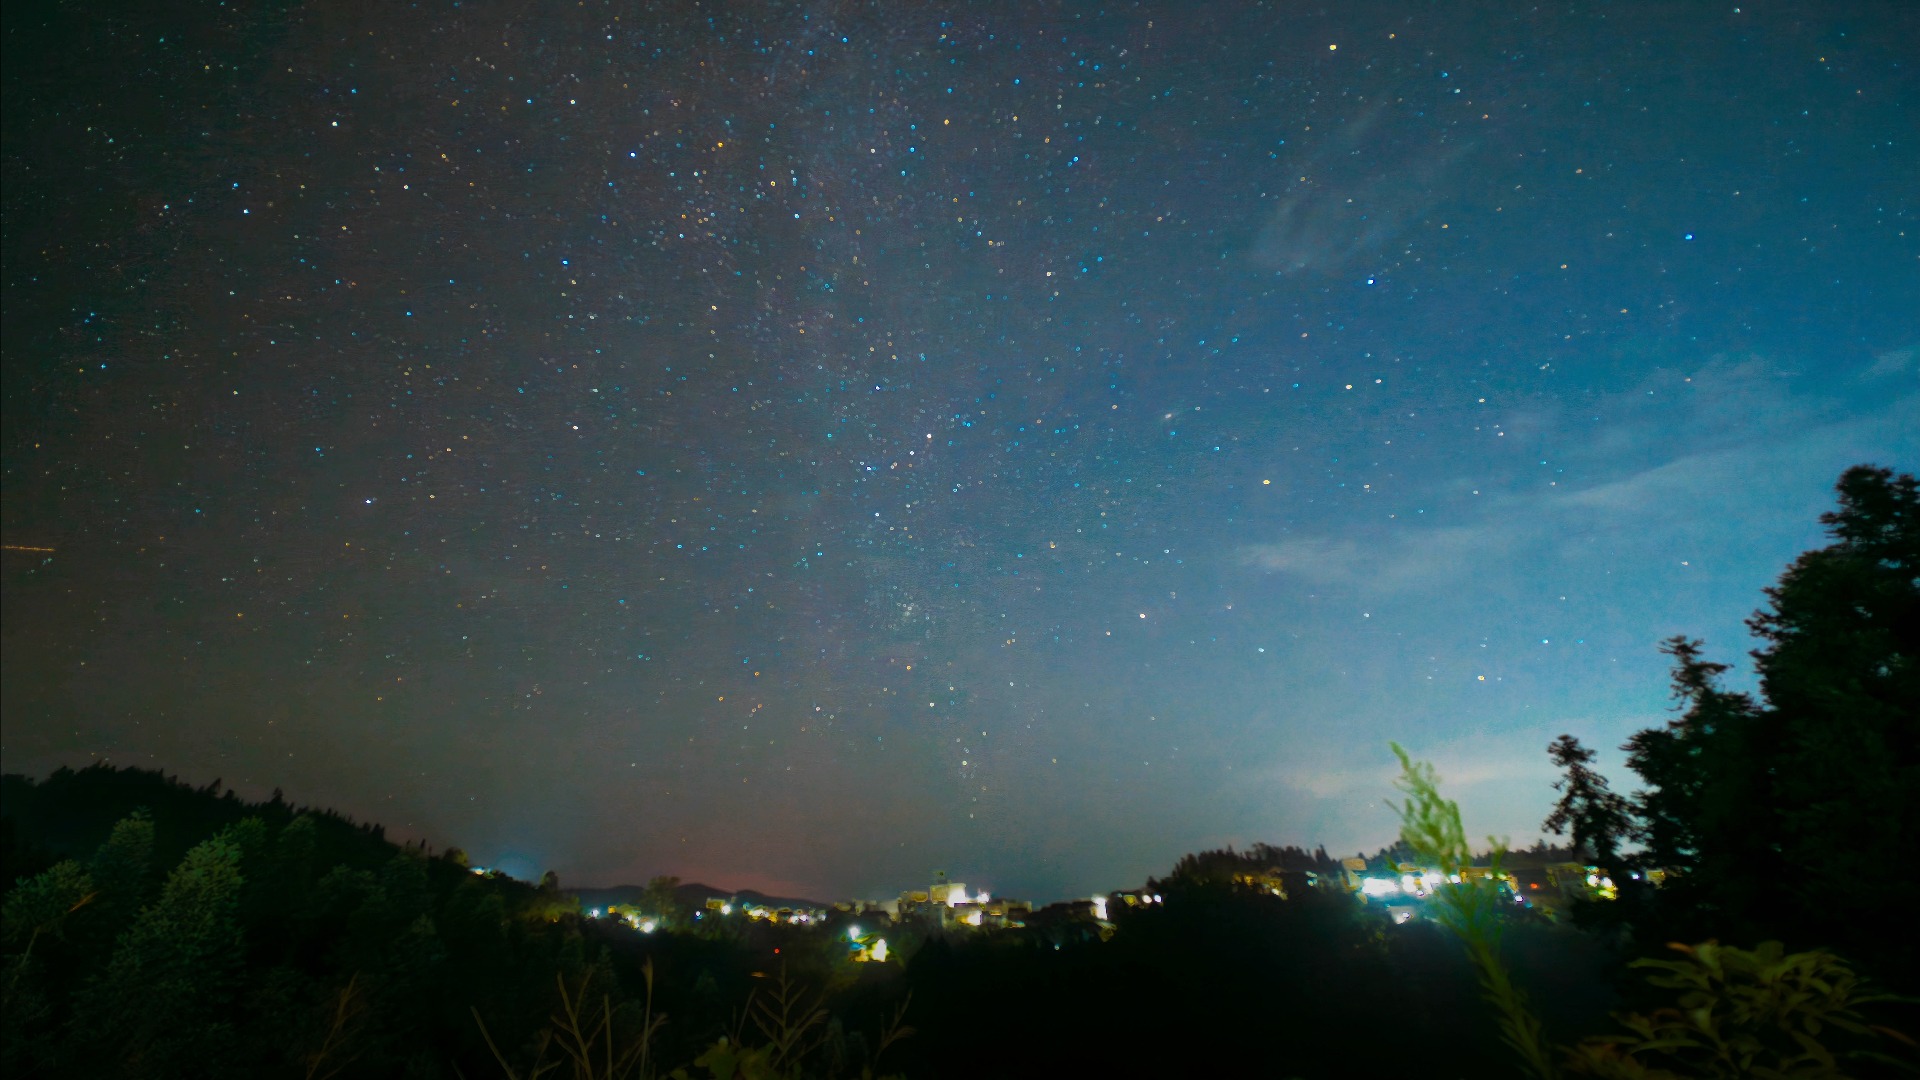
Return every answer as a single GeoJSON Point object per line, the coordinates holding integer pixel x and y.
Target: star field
{"type": "Point", "coordinates": [805, 445]}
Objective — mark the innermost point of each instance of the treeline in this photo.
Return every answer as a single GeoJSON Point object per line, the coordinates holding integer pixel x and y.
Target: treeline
{"type": "Point", "coordinates": [152, 929]}
{"type": "Point", "coordinates": [296, 943]}
{"type": "Point", "coordinates": [201, 935]}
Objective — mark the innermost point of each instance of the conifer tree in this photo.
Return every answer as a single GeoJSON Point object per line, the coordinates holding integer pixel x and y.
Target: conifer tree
{"type": "Point", "coordinates": [162, 1008]}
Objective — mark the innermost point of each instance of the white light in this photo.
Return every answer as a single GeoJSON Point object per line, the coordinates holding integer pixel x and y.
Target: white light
{"type": "Point", "coordinates": [853, 933]}
{"type": "Point", "coordinates": [648, 926]}
{"type": "Point", "coordinates": [1100, 908]}
{"type": "Point", "coordinates": [593, 912]}
{"type": "Point", "coordinates": [1378, 887]}
{"type": "Point", "coordinates": [726, 909]}
{"type": "Point", "coordinates": [880, 950]}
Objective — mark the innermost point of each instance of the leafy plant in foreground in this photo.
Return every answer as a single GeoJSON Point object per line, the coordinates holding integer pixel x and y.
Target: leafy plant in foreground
{"type": "Point", "coordinates": [1762, 1013]}
{"type": "Point", "coordinates": [788, 1020]}
{"type": "Point", "coordinates": [1471, 906]}
{"type": "Point", "coordinates": [588, 1047]}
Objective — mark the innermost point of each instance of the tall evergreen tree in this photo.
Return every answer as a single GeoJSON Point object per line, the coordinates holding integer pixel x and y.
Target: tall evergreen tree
{"type": "Point", "coordinates": [122, 867]}
{"type": "Point", "coordinates": [1589, 809]}
{"type": "Point", "coordinates": [1840, 671]}
{"type": "Point", "coordinates": [1692, 764]}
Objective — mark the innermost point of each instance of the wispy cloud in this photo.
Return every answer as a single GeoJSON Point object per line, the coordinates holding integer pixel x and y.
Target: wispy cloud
{"type": "Point", "coordinates": [1392, 561]}
{"type": "Point", "coordinates": [1732, 443]}
{"type": "Point", "coordinates": [1890, 363]}
{"type": "Point", "coordinates": [1464, 762]}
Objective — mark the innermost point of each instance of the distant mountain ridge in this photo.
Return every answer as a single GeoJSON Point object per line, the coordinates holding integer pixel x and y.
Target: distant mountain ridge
{"type": "Point", "coordinates": [692, 894]}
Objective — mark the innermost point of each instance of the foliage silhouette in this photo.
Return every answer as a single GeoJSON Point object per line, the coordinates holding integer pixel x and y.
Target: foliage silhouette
{"type": "Point", "coordinates": [1738, 1013]}
{"type": "Point", "coordinates": [1776, 816]}
{"type": "Point", "coordinates": [589, 1049]}
{"type": "Point", "coordinates": [161, 1008]}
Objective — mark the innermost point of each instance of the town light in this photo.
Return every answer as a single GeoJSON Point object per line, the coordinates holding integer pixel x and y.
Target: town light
{"type": "Point", "coordinates": [1378, 887]}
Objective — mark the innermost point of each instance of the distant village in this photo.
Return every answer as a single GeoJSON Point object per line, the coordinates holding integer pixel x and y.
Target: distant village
{"type": "Point", "coordinates": [1545, 881]}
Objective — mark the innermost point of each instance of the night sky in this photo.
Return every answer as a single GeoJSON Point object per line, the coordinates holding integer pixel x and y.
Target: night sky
{"type": "Point", "coordinates": [807, 445]}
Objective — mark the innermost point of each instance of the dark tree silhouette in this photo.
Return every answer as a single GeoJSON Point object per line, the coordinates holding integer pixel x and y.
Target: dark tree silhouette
{"type": "Point", "coordinates": [1785, 817]}
{"type": "Point", "coordinates": [662, 901]}
{"type": "Point", "coordinates": [1588, 808]}
{"type": "Point", "coordinates": [1674, 759]}
{"type": "Point", "coordinates": [1840, 671]}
